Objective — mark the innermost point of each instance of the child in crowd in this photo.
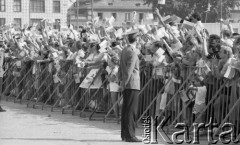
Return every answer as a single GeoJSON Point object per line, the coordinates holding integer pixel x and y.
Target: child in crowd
{"type": "Point", "coordinates": [199, 89]}
{"type": "Point", "coordinates": [114, 87]}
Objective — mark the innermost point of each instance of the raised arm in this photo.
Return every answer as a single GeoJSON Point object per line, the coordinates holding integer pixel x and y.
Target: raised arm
{"type": "Point", "coordinates": [198, 35]}
{"type": "Point", "coordinates": [159, 17]}
{"type": "Point", "coordinates": [205, 47]}
{"type": "Point", "coordinates": [230, 28]}
{"type": "Point", "coordinates": [168, 47]}
{"type": "Point", "coordinates": [175, 39]}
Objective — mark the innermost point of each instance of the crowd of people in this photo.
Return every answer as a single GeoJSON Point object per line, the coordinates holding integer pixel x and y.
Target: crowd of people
{"type": "Point", "coordinates": [173, 42]}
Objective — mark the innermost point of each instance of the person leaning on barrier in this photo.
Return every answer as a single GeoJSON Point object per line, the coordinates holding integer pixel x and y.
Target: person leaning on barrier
{"type": "Point", "coordinates": [114, 87]}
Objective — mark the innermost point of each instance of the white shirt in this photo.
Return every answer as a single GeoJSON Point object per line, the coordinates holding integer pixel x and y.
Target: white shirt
{"type": "Point", "coordinates": [158, 63]}
{"type": "Point", "coordinates": [199, 26]}
{"type": "Point", "coordinates": [201, 95]}
{"type": "Point", "coordinates": [228, 42]}
{"type": "Point", "coordinates": [200, 64]}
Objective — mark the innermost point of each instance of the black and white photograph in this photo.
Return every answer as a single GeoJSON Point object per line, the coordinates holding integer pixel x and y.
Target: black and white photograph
{"type": "Point", "coordinates": [113, 72]}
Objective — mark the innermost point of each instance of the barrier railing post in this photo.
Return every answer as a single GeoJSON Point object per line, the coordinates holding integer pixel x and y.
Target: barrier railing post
{"type": "Point", "coordinates": [51, 95]}
{"type": "Point", "coordinates": [34, 79]}
{"type": "Point", "coordinates": [93, 98]}
{"type": "Point", "coordinates": [55, 104]}
{"type": "Point", "coordinates": [211, 101]}
{"type": "Point", "coordinates": [171, 100]}
{"type": "Point", "coordinates": [71, 99]}
{"type": "Point", "coordinates": [5, 80]}
{"type": "Point", "coordinates": [19, 93]}
{"type": "Point", "coordinates": [41, 95]}
{"type": "Point", "coordinates": [78, 103]}
{"type": "Point", "coordinates": [148, 107]}
{"type": "Point", "coordinates": [9, 85]}
{"type": "Point", "coordinates": [54, 91]}
{"type": "Point", "coordinates": [39, 87]}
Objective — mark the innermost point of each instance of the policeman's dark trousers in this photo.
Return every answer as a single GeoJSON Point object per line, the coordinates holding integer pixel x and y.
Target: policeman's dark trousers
{"type": "Point", "coordinates": [129, 113]}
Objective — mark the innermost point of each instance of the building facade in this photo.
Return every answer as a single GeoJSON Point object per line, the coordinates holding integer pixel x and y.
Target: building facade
{"type": "Point", "coordinates": [121, 10]}
{"type": "Point", "coordinates": [22, 12]}
{"type": "Point", "coordinates": [235, 15]}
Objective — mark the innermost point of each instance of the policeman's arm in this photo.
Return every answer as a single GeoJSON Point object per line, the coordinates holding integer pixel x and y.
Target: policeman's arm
{"type": "Point", "coordinates": [130, 65]}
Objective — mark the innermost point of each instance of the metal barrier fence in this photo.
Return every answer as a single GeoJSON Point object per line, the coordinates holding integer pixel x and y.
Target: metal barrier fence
{"type": "Point", "coordinates": [32, 83]}
{"type": "Point", "coordinates": [221, 106]}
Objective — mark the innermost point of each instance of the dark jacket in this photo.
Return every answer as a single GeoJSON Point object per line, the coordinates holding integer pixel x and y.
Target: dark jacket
{"type": "Point", "coordinates": [129, 69]}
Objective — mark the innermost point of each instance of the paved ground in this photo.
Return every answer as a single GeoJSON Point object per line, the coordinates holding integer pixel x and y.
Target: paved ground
{"type": "Point", "coordinates": [28, 126]}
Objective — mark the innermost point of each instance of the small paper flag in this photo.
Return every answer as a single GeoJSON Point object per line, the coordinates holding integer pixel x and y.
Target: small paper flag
{"type": "Point", "coordinates": [230, 73]}
{"type": "Point", "coordinates": [103, 44]}
{"type": "Point", "coordinates": [206, 68]}
{"type": "Point", "coordinates": [159, 52]}
{"type": "Point", "coordinates": [159, 71]}
{"type": "Point", "coordinates": [165, 18]}
{"type": "Point", "coordinates": [108, 69]}
{"type": "Point", "coordinates": [55, 54]}
{"type": "Point", "coordinates": [143, 29]}
{"type": "Point", "coordinates": [109, 28]}
{"type": "Point", "coordinates": [162, 2]}
{"type": "Point", "coordinates": [96, 20]}
{"type": "Point", "coordinates": [188, 25]}
{"type": "Point", "coordinates": [111, 21]}
{"type": "Point", "coordinates": [149, 16]}
{"type": "Point", "coordinates": [119, 33]}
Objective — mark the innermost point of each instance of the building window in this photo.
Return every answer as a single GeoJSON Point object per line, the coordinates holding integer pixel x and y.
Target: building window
{"type": "Point", "coordinates": [114, 15]}
{"type": "Point", "coordinates": [56, 6]}
{"type": "Point", "coordinates": [75, 4]}
{"type": "Point", "coordinates": [100, 15]}
{"type": "Point", "coordinates": [76, 12]}
{"type": "Point", "coordinates": [2, 21]}
{"type": "Point", "coordinates": [235, 30]}
{"type": "Point", "coordinates": [80, 3]}
{"type": "Point", "coordinates": [37, 6]}
{"type": "Point", "coordinates": [56, 25]}
{"type": "Point", "coordinates": [2, 6]}
{"type": "Point", "coordinates": [82, 12]}
{"type": "Point", "coordinates": [17, 5]}
{"type": "Point", "coordinates": [18, 22]}
{"type": "Point", "coordinates": [127, 16]}
{"type": "Point", "coordinates": [36, 21]}
{"type": "Point", "coordinates": [141, 15]}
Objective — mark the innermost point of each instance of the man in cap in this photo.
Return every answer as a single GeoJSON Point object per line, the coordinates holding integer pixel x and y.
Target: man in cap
{"type": "Point", "coordinates": [130, 81]}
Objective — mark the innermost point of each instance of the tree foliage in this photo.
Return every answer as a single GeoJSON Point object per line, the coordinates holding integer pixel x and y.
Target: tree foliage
{"type": "Point", "coordinates": [183, 7]}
